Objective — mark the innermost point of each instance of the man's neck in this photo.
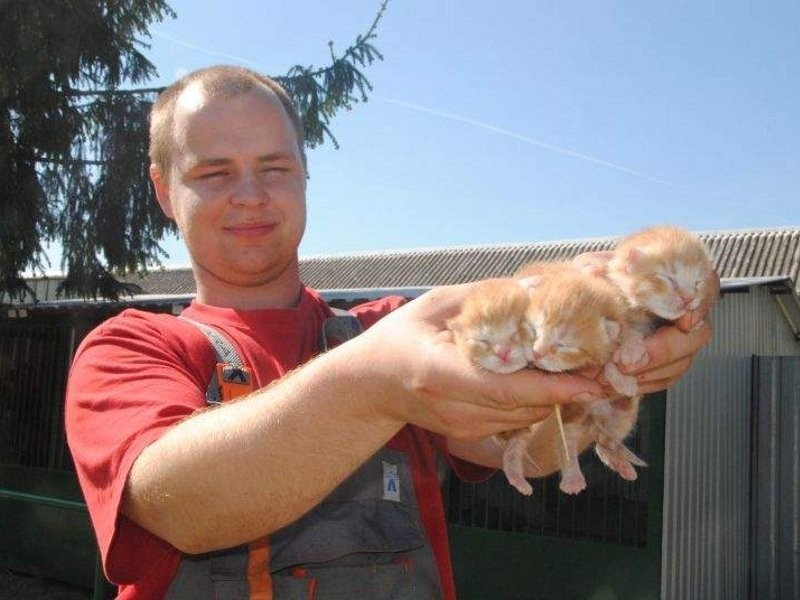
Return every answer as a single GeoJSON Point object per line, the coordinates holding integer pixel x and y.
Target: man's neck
{"type": "Point", "coordinates": [282, 291]}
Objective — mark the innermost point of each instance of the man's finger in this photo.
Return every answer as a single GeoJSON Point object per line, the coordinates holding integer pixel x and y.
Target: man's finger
{"type": "Point", "coordinates": [669, 344]}
{"type": "Point", "coordinates": [472, 421]}
{"type": "Point", "coordinates": [672, 371]}
{"type": "Point", "coordinates": [532, 387]}
{"type": "Point", "coordinates": [652, 387]}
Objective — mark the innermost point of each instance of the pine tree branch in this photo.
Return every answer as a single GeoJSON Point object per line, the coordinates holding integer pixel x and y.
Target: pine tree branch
{"type": "Point", "coordinates": [350, 53]}
{"type": "Point", "coordinates": [83, 93]}
{"type": "Point", "coordinates": [67, 161]}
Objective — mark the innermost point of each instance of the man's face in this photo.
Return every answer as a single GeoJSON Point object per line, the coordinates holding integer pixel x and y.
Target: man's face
{"type": "Point", "coordinates": [237, 186]}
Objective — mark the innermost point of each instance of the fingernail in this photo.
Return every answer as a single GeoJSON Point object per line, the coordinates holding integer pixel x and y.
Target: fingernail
{"type": "Point", "coordinates": [584, 397]}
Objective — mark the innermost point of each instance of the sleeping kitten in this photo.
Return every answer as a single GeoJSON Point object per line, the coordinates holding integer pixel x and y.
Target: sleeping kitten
{"type": "Point", "coordinates": [663, 272]}
{"type": "Point", "coordinates": [492, 332]}
{"type": "Point", "coordinates": [579, 320]}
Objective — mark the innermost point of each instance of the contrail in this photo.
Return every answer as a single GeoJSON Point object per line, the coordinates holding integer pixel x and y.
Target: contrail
{"type": "Point", "coordinates": [439, 113]}
{"type": "Point", "coordinates": [523, 138]}
{"type": "Point", "coordinates": [180, 42]}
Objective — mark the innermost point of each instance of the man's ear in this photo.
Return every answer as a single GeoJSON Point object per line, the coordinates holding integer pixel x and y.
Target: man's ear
{"type": "Point", "coordinates": [161, 186]}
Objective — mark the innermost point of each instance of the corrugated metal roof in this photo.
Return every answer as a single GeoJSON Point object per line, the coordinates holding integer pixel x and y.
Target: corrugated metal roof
{"type": "Point", "coordinates": [743, 253]}
{"type": "Point", "coordinates": [750, 253]}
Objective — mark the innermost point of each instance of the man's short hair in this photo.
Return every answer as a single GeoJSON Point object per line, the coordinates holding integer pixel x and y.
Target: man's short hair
{"type": "Point", "coordinates": [221, 81]}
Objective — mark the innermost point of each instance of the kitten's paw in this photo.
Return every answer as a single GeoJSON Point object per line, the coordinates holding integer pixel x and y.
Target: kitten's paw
{"type": "Point", "coordinates": [632, 354]}
{"type": "Point", "coordinates": [624, 469]}
{"type": "Point", "coordinates": [516, 477]}
{"type": "Point", "coordinates": [624, 384]}
{"type": "Point", "coordinates": [617, 459]}
{"type": "Point", "coordinates": [628, 455]}
{"type": "Point", "coordinates": [604, 453]}
{"type": "Point", "coordinates": [572, 483]}
{"type": "Point", "coordinates": [520, 484]}
{"type": "Point", "coordinates": [514, 456]}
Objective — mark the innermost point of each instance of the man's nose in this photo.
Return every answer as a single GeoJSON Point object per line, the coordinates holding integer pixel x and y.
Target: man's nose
{"type": "Point", "coordinates": [249, 190]}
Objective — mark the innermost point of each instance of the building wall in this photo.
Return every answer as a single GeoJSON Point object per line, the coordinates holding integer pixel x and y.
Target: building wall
{"type": "Point", "coordinates": [706, 525]}
{"type": "Point", "coordinates": [775, 498]}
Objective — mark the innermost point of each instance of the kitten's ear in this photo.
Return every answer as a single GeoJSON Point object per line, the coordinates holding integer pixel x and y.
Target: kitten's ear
{"type": "Point", "coordinates": [633, 257]}
{"type": "Point", "coordinates": [593, 263]}
{"type": "Point", "coordinates": [612, 328]}
{"type": "Point", "coordinates": [530, 282]}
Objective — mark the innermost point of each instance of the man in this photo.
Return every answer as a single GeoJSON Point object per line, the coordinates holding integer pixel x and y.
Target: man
{"type": "Point", "coordinates": [169, 485]}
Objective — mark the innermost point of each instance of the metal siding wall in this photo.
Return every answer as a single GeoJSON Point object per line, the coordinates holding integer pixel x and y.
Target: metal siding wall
{"type": "Point", "coordinates": [789, 493]}
{"type": "Point", "coordinates": [706, 482]}
{"type": "Point", "coordinates": [707, 453]}
{"type": "Point", "coordinates": [775, 560]}
{"type": "Point", "coordinates": [747, 324]}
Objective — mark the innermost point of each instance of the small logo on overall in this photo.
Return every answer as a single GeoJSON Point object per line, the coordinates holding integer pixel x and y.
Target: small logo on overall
{"type": "Point", "coordinates": [391, 482]}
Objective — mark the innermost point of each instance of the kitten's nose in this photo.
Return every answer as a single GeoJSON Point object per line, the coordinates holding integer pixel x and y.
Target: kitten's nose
{"type": "Point", "coordinates": [502, 353]}
{"type": "Point", "coordinates": [686, 300]}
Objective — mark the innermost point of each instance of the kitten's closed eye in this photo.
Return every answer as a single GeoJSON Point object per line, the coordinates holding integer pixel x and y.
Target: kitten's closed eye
{"type": "Point", "coordinates": [668, 279]}
{"type": "Point", "coordinates": [479, 344]}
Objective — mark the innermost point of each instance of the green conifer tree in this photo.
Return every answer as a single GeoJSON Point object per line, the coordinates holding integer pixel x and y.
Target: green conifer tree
{"type": "Point", "coordinates": [74, 136]}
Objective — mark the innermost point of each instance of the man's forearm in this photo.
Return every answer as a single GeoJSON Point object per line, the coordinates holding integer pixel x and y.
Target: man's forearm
{"type": "Point", "coordinates": [241, 471]}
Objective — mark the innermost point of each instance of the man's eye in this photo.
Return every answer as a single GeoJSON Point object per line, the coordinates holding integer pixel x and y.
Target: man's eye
{"type": "Point", "coordinates": [212, 174]}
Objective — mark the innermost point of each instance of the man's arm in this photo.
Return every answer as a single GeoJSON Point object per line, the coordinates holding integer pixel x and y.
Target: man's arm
{"type": "Point", "coordinates": [241, 471]}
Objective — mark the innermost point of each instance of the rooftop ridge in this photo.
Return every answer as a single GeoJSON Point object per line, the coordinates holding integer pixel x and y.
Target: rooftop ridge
{"type": "Point", "coordinates": [456, 248]}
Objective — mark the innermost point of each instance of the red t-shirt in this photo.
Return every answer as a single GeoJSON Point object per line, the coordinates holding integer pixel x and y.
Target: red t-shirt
{"type": "Point", "coordinates": [139, 373]}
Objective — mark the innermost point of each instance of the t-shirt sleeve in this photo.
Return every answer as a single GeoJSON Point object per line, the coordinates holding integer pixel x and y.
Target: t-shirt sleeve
{"type": "Point", "coordinates": [132, 379]}
{"type": "Point", "coordinates": [465, 470]}
{"type": "Point", "coordinates": [370, 313]}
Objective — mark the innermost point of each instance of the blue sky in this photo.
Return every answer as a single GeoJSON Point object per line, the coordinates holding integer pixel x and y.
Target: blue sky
{"type": "Point", "coordinates": [523, 121]}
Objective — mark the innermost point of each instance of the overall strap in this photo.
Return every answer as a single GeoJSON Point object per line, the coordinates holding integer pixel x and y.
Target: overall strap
{"type": "Point", "coordinates": [236, 379]}
{"type": "Point", "coordinates": [232, 378]}
{"type": "Point", "coordinates": [339, 328]}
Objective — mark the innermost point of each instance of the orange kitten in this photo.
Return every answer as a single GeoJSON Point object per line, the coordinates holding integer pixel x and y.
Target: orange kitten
{"type": "Point", "coordinates": [663, 272]}
{"type": "Point", "coordinates": [491, 329]}
{"type": "Point", "coordinates": [492, 332]}
{"type": "Point", "coordinates": [579, 320]}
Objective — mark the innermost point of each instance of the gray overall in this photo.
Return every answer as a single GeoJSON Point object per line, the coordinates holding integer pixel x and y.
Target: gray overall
{"type": "Point", "coordinates": [365, 540]}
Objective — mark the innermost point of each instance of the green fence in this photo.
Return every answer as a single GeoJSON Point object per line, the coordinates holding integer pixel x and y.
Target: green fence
{"type": "Point", "coordinates": [604, 543]}
{"type": "Point", "coordinates": [44, 527]}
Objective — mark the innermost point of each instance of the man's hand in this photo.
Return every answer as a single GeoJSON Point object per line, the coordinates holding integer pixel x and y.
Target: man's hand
{"type": "Point", "coordinates": [672, 348]}
{"type": "Point", "coordinates": [444, 392]}
{"type": "Point", "coordinates": [671, 353]}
